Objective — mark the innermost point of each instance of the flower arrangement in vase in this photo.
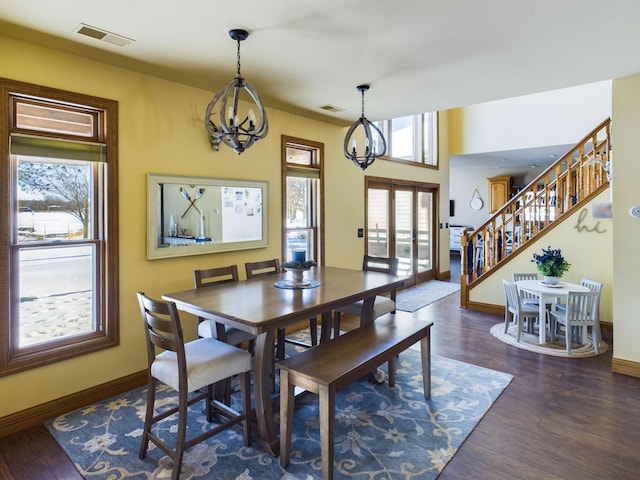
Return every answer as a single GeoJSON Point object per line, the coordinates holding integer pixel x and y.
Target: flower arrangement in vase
{"type": "Point", "coordinates": [551, 264]}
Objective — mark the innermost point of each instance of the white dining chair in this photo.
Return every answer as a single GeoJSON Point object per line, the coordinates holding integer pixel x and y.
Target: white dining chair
{"type": "Point", "coordinates": [581, 311]}
{"type": "Point", "coordinates": [591, 285]}
{"type": "Point", "coordinates": [516, 311]}
{"type": "Point", "coordinates": [527, 297]}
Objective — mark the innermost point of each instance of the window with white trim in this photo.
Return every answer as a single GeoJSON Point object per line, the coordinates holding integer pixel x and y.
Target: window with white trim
{"type": "Point", "coordinates": [412, 138]}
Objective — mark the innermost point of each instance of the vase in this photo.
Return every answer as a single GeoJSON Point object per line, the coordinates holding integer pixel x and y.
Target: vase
{"type": "Point", "coordinates": [551, 280]}
{"type": "Point", "coordinates": [297, 276]}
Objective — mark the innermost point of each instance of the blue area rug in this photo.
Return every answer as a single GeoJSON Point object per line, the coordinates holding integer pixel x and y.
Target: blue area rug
{"type": "Point", "coordinates": [414, 298]}
{"type": "Point", "coordinates": [380, 432]}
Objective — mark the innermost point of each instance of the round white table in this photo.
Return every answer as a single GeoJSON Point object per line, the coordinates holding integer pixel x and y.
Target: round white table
{"type": "Point", "coordinates": [547, 294]}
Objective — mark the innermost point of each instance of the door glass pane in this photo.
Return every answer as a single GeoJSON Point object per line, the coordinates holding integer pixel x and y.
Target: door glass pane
{"type": "Point", "coordinates": [53, 310]}
{"type": "Point", "coordinates": [403, 210]}
{"type": "Point", "coordinates": [425, 201]}
{"type": "Point", "coordinates": [378, 222]}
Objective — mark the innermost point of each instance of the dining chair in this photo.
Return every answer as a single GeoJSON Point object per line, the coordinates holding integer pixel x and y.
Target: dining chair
{"type": "Point", "coordinates": [209, 327]}
{"type": "Point", "coordinates": [527, 297]}
{"type": "Point", "coordinates": [272, 267]}
{"type": "Point", "coordinates": [382, 304]}
{"type": "Point", "coordinates": [581, 311]}
{"type": "Point", "coordinates": [186, 368]}
{"type": "Point", "coordinates": [515, 310]}
{"type": "Point", "coordinates": [591, 285]}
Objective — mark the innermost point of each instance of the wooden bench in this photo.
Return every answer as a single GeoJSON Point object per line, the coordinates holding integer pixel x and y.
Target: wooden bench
{"type": "Point", "coordinates": [333, 365]}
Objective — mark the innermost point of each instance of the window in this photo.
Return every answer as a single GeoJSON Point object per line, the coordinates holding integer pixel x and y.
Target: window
{"type": "Point", "coordinates": [59, 256]}
{"type": "Point", "coordinates": [302, 198]}
{"type": "Point", "coordinates": [412, 139]}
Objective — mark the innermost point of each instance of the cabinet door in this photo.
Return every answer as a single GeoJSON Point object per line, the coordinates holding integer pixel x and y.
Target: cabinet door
{"type": "Point", "coordinates": [499, 191]}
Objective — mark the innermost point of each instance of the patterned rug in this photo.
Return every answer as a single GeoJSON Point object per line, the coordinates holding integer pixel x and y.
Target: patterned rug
{"type": "Point", "coordinates": [380, 432]}
{"type": "Point", "coordinates": [414, 298]}
{"type": "Point", "coordinates": [556, 348]}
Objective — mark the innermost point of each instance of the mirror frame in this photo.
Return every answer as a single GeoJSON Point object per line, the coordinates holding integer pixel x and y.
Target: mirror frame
{"type": "Point", "coordinates": [235, 197]}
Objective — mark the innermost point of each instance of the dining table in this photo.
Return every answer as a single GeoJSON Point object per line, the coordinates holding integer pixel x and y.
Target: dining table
{"type": "Point", "coordinates": [263, 304]}
{"type": "Point", "coordinates": [547, 294]}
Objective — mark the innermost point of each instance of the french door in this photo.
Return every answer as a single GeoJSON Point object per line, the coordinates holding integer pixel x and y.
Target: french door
{"type": "Point", "coordinates": [401, 222]}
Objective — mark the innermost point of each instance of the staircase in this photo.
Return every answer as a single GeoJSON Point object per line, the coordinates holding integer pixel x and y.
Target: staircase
{"type": "Point", "coordinates": [576, 178]}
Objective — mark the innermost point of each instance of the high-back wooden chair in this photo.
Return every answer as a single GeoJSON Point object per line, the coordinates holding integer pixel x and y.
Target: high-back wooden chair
{"type": "Point", "coordinates": [382, 304]}
{"type": "Point", "coordinates": [187, 368]}
{"type": "Point", "coordinates": [209, 327]}
{"type": "Point", "coordinates": [272, 267]}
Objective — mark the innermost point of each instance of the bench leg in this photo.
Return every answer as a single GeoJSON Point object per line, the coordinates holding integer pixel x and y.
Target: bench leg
{"type": "Point", "coordinates": [286, 417]}
{"type": "Point", "coordinates": [327, 403]}
{"type": "Point", "coordinates": [425, 353]}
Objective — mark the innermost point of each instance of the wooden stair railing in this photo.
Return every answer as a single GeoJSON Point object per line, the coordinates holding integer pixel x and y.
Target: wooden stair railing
{"type": "Point", "coordinates": [574, 179]}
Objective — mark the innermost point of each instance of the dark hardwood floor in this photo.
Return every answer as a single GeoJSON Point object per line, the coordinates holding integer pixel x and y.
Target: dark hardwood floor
{"type": "Point", "coordinates": [558, 419]}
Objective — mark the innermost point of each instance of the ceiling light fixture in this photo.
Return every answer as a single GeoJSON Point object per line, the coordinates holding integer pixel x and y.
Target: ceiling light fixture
{"type": "Point", "coordinates": [374, 143]}
{"type": "Point", "coordinates": [223, 119]}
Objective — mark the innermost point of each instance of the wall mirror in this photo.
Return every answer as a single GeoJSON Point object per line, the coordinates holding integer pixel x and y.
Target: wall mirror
{"type": "Point", "coordinates": [199, 215]}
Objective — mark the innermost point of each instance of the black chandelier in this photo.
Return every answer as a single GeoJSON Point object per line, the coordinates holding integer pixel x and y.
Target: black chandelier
{"type": "Point", "coordinates": [223, 120]}
{"type": "Point", "coordinates": [374, 143]}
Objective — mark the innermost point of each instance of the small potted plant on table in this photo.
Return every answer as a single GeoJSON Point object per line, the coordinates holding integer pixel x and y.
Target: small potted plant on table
{"type": "Point", "coordinates": [551, 265]}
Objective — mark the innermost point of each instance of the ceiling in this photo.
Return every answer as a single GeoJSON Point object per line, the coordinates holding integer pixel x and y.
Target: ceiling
{"type": "Point", "coordinates": [418, 55]}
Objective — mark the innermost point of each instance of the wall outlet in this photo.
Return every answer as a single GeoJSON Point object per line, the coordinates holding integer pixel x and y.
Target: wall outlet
{"type": "Point", "coordinates": [634, 212]}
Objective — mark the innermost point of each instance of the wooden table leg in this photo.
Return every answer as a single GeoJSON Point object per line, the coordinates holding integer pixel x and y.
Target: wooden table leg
{"type": "Point", "coordinates": [425, 353]}
{"type": "Point", "coordinates": [263, 356]}
{"type": "Point", "coordinates": [366, 317]}
{"type": "Point", "coordinates": [327, 326]}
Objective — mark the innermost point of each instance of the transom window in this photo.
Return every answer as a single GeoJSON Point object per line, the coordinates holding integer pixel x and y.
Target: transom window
{"type": "Point", "coordinates": [412, 138]}
{"type": "Point", "coordinates": [61, 268]}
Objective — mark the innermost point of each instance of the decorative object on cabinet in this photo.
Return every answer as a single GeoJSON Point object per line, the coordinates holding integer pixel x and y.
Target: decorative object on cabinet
{"type": "Point", "coordinates": [476, 202]}
{"type": "Point", "coordinates": [224, 121]}
{"type": "Point", "coordinates": [373, 142]}
{"type": "Point", "coordinates": [499, 192]}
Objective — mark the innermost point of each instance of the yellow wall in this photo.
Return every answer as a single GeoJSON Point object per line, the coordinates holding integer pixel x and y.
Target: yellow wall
{"type": "Point", "coordinates": [161, 131]}
{"type": "Point", "coordinates": [626, 261]}
{"type": "Point", "coordinates": [589, 253]}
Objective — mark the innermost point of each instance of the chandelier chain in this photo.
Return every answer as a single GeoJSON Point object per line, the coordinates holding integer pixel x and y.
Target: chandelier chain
{"type": "Point", "coordinates": [238, 40]}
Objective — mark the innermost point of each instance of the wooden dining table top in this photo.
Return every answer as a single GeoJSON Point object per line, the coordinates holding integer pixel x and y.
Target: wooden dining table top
{"type": "Point", "coordinates": [257, 305]}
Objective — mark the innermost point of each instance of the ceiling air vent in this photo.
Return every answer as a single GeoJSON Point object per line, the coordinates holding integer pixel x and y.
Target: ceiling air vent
{"type": "Point", "coordinates": [103, 35]}
{"type": "Point", "coordinates": [331, 108]}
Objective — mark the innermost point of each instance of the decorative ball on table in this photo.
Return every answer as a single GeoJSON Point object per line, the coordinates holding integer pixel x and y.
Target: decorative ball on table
{"type": "Point", "coordinates": [551, 264]}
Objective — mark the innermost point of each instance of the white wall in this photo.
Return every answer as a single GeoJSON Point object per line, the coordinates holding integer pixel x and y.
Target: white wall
{"type": "Point", "coordinates": [462, 185]}
{"type": "Point", "coordinates": [558, 117]}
